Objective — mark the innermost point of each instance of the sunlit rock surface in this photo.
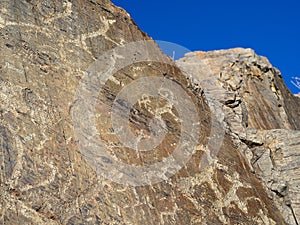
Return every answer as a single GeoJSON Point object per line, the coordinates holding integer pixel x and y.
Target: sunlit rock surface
{"type": "Point", "coordinates": [261, 116]}
{"type": "Point", "coordinates": [243, 170]}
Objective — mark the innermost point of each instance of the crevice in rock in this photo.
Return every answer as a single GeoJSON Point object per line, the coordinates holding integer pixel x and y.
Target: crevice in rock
{"type": "Point", "coordinates": [280, 195]}
{"type": "Point", "coordinates": [251, 144]}
{"type": "Point", "coordinates": [294, 214]}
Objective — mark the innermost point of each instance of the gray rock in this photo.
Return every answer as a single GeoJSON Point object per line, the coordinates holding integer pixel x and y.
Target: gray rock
{"type": "Point", "coordinates": [261, 116]}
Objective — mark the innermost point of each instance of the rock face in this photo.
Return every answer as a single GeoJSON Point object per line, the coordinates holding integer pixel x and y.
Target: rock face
{"type": "Point", "coordinates": [261, 116]}
{"type": "Point", "coordinates": [217, 142]}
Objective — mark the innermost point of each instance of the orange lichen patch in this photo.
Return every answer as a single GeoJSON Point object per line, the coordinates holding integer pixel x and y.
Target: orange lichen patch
{"type": "Point", "coordinates": [200, 54]}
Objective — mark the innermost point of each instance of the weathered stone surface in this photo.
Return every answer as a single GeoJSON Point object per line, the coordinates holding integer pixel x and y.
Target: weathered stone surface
{"type": "Point", "coordinates": [278, 163]}
{"type": "Point", "coordinates": [47, 49]}
{"type": "Point", "coordinates": [261, 116]}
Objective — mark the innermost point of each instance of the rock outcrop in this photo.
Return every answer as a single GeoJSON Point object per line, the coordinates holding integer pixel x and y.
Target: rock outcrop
{"type": "Point", "coordinates": [261, 116]}
{"type": "Point", "coordinates": [224, 128]}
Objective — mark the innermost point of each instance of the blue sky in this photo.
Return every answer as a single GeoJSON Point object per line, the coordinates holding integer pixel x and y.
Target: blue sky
{"type": "Point", "coordinates": [271, 28]}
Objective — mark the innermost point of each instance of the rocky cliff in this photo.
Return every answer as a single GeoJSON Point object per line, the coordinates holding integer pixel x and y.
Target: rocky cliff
{"type": "Point", "coordinates": [261, 116]}
{"type": "Point", "coordinates": [98, 126]}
